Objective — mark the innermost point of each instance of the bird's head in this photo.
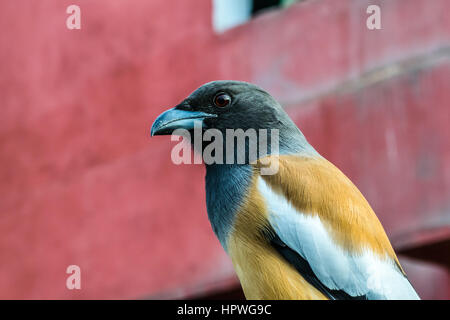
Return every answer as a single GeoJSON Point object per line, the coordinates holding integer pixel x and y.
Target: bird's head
{"type": "Point", "coordinates": [225, 104]}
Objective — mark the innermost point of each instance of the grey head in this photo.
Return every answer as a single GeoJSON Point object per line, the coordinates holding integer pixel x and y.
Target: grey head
{"type": "Point", "coordinates": [228, 104]}
{"type": "Point", "coordinates": [223, 105]}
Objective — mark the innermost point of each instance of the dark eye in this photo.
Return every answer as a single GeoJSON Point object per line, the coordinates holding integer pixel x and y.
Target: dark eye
{"type": "Point", "coordinates": [222, 100]}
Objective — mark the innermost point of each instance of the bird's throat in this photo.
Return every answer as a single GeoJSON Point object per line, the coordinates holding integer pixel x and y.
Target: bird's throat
{"type": "Point", "coordinates": [226, 187]}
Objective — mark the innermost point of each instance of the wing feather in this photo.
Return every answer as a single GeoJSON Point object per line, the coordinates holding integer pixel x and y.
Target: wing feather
{"type": "Point", "coordinates": [337, 272]}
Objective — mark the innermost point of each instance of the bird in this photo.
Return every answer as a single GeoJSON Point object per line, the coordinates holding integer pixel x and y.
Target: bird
{"type": "Point", "coordinates": [304, 232]}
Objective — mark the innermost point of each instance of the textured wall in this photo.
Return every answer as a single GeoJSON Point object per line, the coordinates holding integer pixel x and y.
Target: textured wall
{"type": "Point", "coordinates": [81, 182]}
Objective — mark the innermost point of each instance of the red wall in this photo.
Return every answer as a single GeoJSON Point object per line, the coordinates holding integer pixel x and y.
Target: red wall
{"type": "Point", "coordinates": [81, 182]}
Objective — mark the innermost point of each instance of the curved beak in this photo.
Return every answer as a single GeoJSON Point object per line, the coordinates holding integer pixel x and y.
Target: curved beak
{"type": "Point", "coordinates": [174, 118]}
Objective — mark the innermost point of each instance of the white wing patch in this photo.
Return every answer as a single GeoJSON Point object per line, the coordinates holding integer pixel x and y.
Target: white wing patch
{"type": "Point", "coordinates": [357, 275]}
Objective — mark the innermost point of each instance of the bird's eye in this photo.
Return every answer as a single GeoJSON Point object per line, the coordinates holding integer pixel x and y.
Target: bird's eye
{"type": "Point", "coordinates": [222, 100]}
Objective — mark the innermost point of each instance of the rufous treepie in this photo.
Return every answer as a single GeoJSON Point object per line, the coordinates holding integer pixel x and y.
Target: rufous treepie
{"type": "Point", "coordinates": [303, 232]}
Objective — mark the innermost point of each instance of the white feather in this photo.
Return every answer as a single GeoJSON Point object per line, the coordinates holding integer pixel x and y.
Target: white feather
{"type": "Point", "coordinates": [363, 274]}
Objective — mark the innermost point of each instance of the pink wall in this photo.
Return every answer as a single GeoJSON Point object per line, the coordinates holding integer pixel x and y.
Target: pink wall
{"type": "Point", "coordinates": [81, 182]}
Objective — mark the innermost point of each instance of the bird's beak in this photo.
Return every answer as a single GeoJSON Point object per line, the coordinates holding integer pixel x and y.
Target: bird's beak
{"type": "Point", "coordinates": [174, 118]}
